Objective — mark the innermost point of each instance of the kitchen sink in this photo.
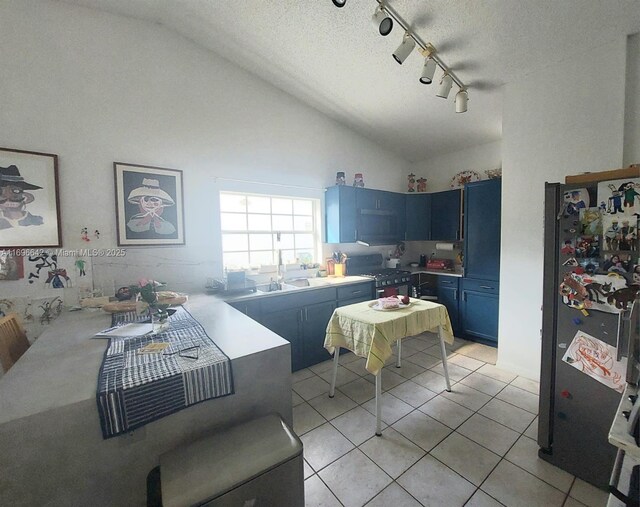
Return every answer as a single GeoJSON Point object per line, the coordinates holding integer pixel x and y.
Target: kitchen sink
{"type": "Point", "coordinates": [284, 287]}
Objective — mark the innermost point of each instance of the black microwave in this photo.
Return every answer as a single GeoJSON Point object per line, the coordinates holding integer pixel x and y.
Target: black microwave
{"type": "Point", "coordinates": [377, 227]}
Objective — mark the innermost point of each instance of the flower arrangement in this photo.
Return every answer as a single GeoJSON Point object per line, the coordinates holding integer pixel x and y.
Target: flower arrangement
{"type": "Point", "coordinates": [147, 290]}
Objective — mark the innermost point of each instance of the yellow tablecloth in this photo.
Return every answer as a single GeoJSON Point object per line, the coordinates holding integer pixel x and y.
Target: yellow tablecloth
{"type": "Point", "coordinates": [371, 333]}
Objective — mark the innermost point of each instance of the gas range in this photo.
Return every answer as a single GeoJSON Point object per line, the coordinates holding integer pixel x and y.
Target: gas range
{"type": "Point", "coordinates": [388, 277]}
{"type": "Point", "coordinates": [371, 265]}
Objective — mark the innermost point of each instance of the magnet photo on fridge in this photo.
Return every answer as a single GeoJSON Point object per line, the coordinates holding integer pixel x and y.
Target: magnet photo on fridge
{"type": "Point", "coordinates": [587, 247]}
{"type": "Point", "coordinates": [620, 233]}
{"type": "Point", "coordinates": [576, 200]}
{"type": "Point", "coordinates": [620, 197]}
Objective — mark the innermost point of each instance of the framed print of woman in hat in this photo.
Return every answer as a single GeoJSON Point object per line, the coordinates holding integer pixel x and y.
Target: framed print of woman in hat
{"type": "Point", "coordinates": [149, 205]}
{"type": "Point", "coordinates": [29, 204]}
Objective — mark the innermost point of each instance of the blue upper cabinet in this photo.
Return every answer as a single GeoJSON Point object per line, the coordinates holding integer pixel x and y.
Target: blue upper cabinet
{"type": "Point", "coordinates": [418, 215]}
{"type": "Point", "coordinates": [482, 229]}
{"type": "Point", "coordinates": [340, 214]}
{"type": "Point", "coordinates": [445, 215]}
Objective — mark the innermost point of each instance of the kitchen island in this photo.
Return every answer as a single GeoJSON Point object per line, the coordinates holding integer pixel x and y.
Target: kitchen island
{"type": "Point", "coordinates": [53, 452]}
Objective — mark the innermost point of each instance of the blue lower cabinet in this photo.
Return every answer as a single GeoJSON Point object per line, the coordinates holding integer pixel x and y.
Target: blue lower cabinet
{"type": "Point", "coordinates": [449, 296]}
{"type": "Point", "coordinates": [287, 323]}
{"type": "Point", "coordinates": [479, 310]}
{"type": "Point", "coordinates": [314, 326]}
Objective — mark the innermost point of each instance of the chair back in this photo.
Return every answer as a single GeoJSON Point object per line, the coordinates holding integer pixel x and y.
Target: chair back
{"type": "Point", "coordinates": [13, 341]}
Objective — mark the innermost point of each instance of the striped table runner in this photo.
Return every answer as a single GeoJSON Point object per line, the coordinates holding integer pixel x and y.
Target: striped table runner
{"type": "Point", "coordinates": [135, 389]}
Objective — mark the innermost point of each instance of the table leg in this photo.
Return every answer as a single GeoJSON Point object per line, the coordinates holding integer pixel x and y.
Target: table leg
{"type": "Point", "coordinates": [443, 350]}
{"type": "Point", "coordinates": [336, 358]}
{"type": "Point", "coordinates": [399, 352]}
{"type": "Point", "coordinates": [378, 403]}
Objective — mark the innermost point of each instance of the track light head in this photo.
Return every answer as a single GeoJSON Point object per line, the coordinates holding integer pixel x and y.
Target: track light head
{"type": "Point", "coordinates": [383, 21]}
{"type": "Point", "coordinates": [404, 49]}
{"type": "Point", "coordinates": [462, 97]}
{"type": "Point", "coordinates": [428, 71]}
{"type": "Point", "coordinates": [446, 82]}
{"type": "Point", "coordinates": [339, 3]}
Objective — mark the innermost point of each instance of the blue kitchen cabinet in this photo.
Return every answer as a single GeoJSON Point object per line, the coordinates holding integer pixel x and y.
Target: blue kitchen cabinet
{"type": "Point", "coordinates": [448, 295]}
{"type": "Point", "coordinates": [418, 217]}
{"type": "Point", "coordinates": [314, 327]}
{"type": "Point", "coordinates": [482, 230]}
{"type": "Point", "coordinates": [479, 310]}
{"type": "Point", "coordinates": [287, 323]}
{"type": "Point", "coordinates": [367, 198]}
{"type": "Point", "coordinates": [445, 216]}
{"type": "Point", "coordinates": [340, 214]}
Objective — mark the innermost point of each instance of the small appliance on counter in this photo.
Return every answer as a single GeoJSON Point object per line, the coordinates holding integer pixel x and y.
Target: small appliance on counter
{"type": "Point", "coordinates": [235, 283]}
{"type": "Point", "coordinates": [440, 264]}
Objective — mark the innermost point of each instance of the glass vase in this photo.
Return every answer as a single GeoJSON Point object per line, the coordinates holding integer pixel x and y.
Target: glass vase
{"type": "Point", "coordinates": [160, 321]}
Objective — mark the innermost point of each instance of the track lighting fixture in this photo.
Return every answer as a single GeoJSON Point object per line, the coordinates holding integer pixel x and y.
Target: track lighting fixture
{"type": "Point", "coordinates": [383, 21]}
{"type": "Point", "coordinates": [462, 97]}
{"type": "Point", "coordinates": [428, 71]}
{"type": "Point", "coordinates": [384, 18]}
{"type": "Point", "coordinates": [446, 82]}
{"type": "Point", "coordinates": [404, 49]}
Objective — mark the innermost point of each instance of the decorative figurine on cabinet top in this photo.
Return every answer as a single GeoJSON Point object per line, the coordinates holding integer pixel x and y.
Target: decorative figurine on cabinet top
{"type": "Point", "coordinates": [412, 182]}
{"type": "Point", "coordinates": [422, 184]}
{"type": "Point", "coordinates": [340, 179]}
{"type": "Point", "coordinates": [358, 180]}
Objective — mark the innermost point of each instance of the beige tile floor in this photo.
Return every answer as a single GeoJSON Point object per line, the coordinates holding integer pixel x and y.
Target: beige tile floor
{"type": "Point", "coordinates": [472, 447]}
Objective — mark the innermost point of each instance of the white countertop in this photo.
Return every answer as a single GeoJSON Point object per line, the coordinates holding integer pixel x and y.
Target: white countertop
{"type": "Point", "coordinates": [61, 367]}
{"type": "Point", "coordinates": [439, 272]}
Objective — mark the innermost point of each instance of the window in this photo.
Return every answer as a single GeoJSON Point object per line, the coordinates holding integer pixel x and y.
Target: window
{"type": "Point", "coordinates": [255, 227]}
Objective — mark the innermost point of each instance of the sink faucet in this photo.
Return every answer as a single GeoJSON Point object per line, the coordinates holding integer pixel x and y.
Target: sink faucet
{"type": "Point", "coordinates": [274, 285]}
{"type": "Point", "coordinates": [280, 270]}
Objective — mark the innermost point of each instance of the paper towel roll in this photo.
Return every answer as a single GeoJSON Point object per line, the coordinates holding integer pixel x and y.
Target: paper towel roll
{"type": "Point", "coordinates": [447, 247]}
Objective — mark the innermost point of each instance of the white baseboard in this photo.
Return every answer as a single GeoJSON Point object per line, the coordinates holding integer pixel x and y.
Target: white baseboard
{"type": "Point", "coordinates": [530, 373]}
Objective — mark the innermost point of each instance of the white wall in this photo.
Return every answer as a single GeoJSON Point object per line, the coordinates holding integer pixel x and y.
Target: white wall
{"type": "Point", "coordinates": [556, 121]}
{"type": "Point", "coordinates": [96, 88]}
{"type": "Point", "coordinates": [441, 168]}
{"type": "Point", "coordinates": [632, 106]}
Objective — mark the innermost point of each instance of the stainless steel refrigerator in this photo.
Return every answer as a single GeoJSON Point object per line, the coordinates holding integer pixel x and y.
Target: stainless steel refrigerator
{"type": "Point", "coordinates": [576, 410]}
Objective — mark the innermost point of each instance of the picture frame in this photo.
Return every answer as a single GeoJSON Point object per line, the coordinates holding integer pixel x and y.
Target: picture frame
{"type": "Point", "coordinates": [29, 200]}
{"type": "Point", "coordinates": [149, 205]}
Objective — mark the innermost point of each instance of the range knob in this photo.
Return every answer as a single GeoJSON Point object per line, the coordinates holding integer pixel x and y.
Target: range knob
{"type": "Point", "coordinates": [633, 398]}
{"type": "Point", "coordinates": [626, 414]}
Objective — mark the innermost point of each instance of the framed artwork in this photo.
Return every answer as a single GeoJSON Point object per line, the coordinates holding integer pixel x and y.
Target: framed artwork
{"type": "Point", "coordinates": [29, 200]}
{"type": "Point", "coordinates": [149, 205]}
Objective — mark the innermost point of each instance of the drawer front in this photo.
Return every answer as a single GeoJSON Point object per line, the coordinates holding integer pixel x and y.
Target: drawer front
{"type": "Point", "coordinates": [293, 299]}
{"type": "Point", "coordinates": [360, 290]}
{"type": "Point", "coordinates": [491, 287]}
{"type": "Point", "coordinates": [346, 302]}
{"type": "Point", "coordinates": [448, 281]}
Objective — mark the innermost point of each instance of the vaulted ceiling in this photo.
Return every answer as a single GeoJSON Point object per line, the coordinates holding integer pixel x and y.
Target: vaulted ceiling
{"type": "Point", "coordinates": [334, 60]}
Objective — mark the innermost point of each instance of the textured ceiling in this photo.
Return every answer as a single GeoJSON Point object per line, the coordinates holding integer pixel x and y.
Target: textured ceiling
{"type": "Point", "coordinates": [334, 60]}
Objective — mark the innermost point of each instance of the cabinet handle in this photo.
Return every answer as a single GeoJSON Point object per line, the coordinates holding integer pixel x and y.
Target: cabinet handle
{"type": "Point", "coordinates": [355, 235]}
{"type": "Point", "coordinates": [356, 291]}
{"type": "Point", "coordinates": [455, 294]}
{"type": "Point", "coordinates": [486, 287]}
{"type": "Point", "coordinates": [306, 314]}
{"type": "Point", "coordinates": [464, 295]}
{"type": "Point", "coordinates": [301, 316]}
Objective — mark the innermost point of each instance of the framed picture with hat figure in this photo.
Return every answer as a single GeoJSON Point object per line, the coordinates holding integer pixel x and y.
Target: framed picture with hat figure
{"type": "Point", "coordinates": [149, 205]}
{"type": "Point", "coordinates": [29, 202]}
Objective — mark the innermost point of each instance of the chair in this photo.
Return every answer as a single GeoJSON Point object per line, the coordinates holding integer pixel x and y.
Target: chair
{"type": "Point", "coordinates": [13, 341]}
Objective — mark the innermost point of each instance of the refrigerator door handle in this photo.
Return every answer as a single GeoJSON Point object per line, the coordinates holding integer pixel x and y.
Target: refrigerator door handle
{"type": "Point", "coordinates": [623, 316]}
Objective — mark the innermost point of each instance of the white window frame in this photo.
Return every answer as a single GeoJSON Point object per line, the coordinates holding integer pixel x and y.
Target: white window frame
{"type": "Point", "coordinates": [316, 230]}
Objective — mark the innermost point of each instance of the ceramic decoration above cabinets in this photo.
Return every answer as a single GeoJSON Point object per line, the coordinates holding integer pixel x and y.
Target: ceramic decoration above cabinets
{"type": "Point", "coordinates": [482, 230]}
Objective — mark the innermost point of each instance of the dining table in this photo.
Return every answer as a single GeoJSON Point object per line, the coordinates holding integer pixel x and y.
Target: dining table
{"type": "Point", "coordinates": [370, 331]}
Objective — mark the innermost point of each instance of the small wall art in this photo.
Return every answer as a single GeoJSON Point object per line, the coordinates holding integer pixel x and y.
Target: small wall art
{"type": "Point", "coordinates": [29, 202]}
{"type": "Point", "coordinates": [149, 205]}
